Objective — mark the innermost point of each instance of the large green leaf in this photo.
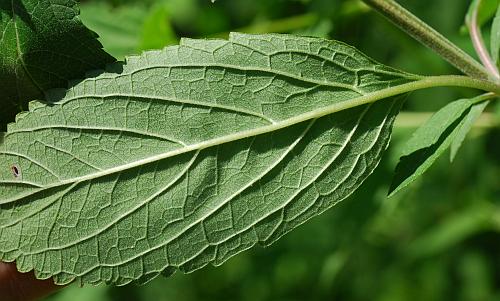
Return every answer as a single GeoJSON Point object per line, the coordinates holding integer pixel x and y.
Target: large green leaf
{"type": "Point", "coordinates": [42, 45]}
{"type": "Point", "coordinates": [187, 156]}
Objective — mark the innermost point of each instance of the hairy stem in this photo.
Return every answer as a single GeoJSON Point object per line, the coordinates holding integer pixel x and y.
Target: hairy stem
{"type": "Point", "coordinates": [428, 36]}
{"type": "Point", "coordinates": [477, 41]}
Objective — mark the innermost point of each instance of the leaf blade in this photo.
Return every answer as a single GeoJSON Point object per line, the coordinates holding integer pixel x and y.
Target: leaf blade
{"type": "Point", "coordinates": [190, 155]}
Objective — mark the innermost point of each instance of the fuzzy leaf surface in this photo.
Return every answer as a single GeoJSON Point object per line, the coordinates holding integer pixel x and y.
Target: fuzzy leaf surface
{"type": "Point", "coordinates": [189, 155]}
{"type": "Point", "coordinates": [43, 44]}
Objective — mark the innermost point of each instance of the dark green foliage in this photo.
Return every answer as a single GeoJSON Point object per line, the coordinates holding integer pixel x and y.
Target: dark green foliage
{"type": "Point", "coordinates": [43, 44]}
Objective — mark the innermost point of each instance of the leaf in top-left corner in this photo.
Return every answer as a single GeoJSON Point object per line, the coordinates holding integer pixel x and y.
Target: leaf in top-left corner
{"type": "Point", "coordinates": [43, 44]}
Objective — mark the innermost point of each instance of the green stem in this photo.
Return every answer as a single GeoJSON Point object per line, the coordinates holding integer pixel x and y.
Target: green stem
{"type": "Point", "coordinates": [428, 36]}
{"type": "Point", "coordinates": [484, 97]}
{"type": "Point", "coordinates": [424, 83]}
{"type": "Point", "coordinates": [462, 81]}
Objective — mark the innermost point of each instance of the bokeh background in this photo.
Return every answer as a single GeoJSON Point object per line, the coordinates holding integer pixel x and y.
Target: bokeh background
{"type": "Point", "coordinates": [437, 240]}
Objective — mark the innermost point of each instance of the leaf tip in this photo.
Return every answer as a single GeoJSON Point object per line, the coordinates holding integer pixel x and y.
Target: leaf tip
{"type": "Point", "coordinates": [395, 188]}
{"type": "Point", "coordinates": [453, 153]}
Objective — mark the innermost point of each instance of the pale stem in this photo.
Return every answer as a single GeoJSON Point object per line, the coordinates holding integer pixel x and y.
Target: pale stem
{"type": "Point", "coordinates": [428, 36]}
{"type": "Point", "coordinates": [477, 41]}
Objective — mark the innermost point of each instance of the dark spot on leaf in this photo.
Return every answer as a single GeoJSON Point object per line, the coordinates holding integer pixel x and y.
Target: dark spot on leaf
{"type": "Point", "coordinates": [16, 171]}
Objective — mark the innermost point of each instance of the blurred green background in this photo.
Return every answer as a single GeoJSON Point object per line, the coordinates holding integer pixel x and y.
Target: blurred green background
{"type": "Point", "coordinates": [437, 240]}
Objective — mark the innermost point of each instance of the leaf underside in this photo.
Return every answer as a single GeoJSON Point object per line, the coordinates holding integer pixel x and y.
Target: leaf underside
{"type": "Point", "coordinates": [187, 156]}
{"type": "Point", "coordinates": [43, 44]}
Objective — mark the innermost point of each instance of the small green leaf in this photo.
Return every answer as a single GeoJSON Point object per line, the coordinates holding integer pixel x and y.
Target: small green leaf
{"type": "Point", "coordinates": [495, 38]}
{"type": "Point", "coordinates": [464, 127]}
{"type": "Point", "coordinates": [187, 156]}
{"type": "Point", "coordinates": [43, 44]}
{"type": "Point", "coordinates": [429, 142]}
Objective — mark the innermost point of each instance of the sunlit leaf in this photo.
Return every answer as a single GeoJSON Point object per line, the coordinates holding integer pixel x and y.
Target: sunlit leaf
{"type": "Point", "coordinates": [187, 156]}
